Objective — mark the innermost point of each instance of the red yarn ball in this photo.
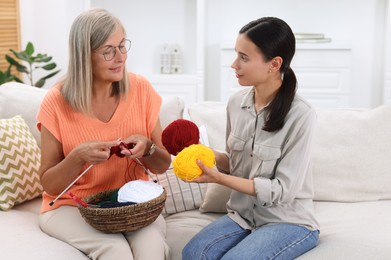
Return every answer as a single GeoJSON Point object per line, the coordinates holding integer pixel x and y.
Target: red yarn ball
{"type": "Point", "coordinates": [180, 134]}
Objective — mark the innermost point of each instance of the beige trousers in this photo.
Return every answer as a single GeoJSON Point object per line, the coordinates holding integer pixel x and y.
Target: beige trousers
{"type": "Point", "coordinates": [66, 224]}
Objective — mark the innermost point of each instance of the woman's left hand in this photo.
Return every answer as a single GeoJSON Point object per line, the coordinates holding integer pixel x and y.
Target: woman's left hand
{"type": "Point", "coordinates": [208, 174]}
{"type": "Point", "coordinates": [140, 145]}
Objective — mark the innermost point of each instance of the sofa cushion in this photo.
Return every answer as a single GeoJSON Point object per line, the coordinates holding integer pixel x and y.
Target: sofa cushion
{"type": "Point", "coordinates": [359, 230]}
{"type": "Point", "coordinates": [347, 230]}
{"type": "Point", "coordinates": [19, 163]}
{"type": "Point", "coordinates": [351, 154]}
{"type": "Point", "coordinates": [23, 239]}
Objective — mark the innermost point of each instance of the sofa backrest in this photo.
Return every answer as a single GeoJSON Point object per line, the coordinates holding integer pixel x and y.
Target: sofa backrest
{"type": "Point", "coordinates": [351, 150]}
{"type": "Point", "coordinates": [24, 100]}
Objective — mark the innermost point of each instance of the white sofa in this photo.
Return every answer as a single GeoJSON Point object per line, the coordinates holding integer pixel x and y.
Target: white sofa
{"type": "Point", "coordinates": [352, 179]}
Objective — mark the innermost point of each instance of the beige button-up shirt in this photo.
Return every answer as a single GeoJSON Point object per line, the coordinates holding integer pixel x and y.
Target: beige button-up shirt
{"type": "Point", "coordinates": [278, 162]}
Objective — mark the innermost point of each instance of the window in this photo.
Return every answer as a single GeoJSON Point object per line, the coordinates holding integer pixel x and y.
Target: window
{"type": "Point", "coordinates": [9, 29]}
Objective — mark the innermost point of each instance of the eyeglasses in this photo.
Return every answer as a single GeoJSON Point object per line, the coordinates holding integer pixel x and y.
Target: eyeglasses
{"type": "Point", "coordinates": [111, 51]}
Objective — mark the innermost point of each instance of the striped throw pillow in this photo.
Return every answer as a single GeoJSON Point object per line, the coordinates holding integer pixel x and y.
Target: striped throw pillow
{"type": "Point", "coordinates": [181, 196]}
{"type": "Point", "coordinates": [19, 163]}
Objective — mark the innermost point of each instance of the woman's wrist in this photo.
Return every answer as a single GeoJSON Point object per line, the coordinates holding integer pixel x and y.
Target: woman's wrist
{"type": "Point", "coordinates": [151, 150]}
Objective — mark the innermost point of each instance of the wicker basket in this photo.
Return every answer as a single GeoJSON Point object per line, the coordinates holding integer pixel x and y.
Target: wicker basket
{"type": "Point", "coordinates": [121, 219]}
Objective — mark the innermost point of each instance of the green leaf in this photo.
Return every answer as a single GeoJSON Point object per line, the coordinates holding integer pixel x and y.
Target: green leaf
{"type": "Point", "coordinates": [50, 75]}
{"type": "Point", "coordinates": [21, 55]}
{"type": "Point", "coordinates": [21, 68]}
{"type": "Point", "coordinates": [43, 59]}
{"type": "Point", "coordinates": [29, 49]}
{"type": "Point", "coordinates": [49, 66]}
{"type": "Point", "coordinates": [6, 77]}
{"type": "Point", "coordinates": [11, 60]}
{"type": "Point", "coordinates": [40, 83]}
{"type": "Point", "coordinates": [3, 78]}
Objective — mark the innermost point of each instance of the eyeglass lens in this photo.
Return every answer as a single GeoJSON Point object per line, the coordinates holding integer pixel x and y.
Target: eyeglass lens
{"type": "Point", "coordinates": [124, 47]}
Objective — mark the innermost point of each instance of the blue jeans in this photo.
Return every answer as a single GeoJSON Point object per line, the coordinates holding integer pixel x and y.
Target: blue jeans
{"type": "Point", "coordinates": [224, 239]}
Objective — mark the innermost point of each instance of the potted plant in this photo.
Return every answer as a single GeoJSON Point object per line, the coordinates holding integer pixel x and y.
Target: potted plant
{"type": "Point", "coordinates": [39, 61]}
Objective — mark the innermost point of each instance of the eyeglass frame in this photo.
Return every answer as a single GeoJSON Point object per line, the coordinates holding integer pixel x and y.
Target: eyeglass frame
{"type": "Point", "coordinates": [113, 49]}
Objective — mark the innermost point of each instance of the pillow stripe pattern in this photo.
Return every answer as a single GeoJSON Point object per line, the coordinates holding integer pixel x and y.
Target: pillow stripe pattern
{"type": "Point", "coordinates": [181, 196]}
{"type": "Point", "coordinates": [19, 163]}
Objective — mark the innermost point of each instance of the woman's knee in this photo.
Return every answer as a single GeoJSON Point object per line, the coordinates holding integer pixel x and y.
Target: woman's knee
{"type": "Point", "coordinates": [214, 240]}
{"type": "Point", "coordinates": [110, 249]}
{"type": "Point", "coordinates": [149, 242]}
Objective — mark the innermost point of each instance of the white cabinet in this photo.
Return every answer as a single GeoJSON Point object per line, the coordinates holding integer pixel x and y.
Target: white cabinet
{"type": "Point", "coordinates": [323, 72]}
{"type": "Point", "coordinates": [184, 86]}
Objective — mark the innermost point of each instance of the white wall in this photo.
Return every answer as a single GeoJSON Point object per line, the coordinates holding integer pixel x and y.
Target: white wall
{"type": "Point", "coordinates": [46, 24]}
{"type": "Point", "coordinates": [387, 76]}
{"type": "Point", "coordinates": [359, 24]}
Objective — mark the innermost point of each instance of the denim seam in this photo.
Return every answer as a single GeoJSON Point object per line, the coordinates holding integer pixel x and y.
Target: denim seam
{"type": "Point", "coordinates": [203, 253]}
{"type": "Point", "coordinates": [291, 245]}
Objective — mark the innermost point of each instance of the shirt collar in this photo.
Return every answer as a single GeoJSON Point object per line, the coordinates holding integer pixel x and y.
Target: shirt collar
{"type": "Point", "coordinates": [248, 100]}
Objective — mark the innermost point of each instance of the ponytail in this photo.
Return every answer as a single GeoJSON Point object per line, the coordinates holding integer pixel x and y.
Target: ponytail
{"type": "Point", "coordinates": [281, 104]}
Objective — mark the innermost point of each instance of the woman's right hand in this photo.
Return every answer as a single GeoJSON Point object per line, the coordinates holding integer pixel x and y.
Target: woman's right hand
{"type": "Point", "coordinates": [94, 152]}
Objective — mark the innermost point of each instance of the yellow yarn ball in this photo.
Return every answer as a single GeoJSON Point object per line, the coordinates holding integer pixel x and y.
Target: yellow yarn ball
{"type": "Point", "coordinates": [185, 163]}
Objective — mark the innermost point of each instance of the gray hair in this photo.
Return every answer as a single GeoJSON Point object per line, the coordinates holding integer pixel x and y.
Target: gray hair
{"type": "Point", "coordinates": [89, 31]}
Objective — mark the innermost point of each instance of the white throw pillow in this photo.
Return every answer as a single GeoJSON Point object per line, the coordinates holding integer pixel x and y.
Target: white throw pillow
{"type": "Point", "coordinates": [171, 110]}
{"type": "Point", "coordinates": [212, 116]}
{"type": "Point", "coordinates": [351, 155]}
{"type": "Point", "coordinates": [21, 99]}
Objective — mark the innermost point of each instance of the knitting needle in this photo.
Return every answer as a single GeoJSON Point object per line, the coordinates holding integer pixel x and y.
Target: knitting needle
{"type": "Point", "coordinates": [78, 200]}
{"type": "Point", "coordinates": [70, 185]}
{"type": "Point", "coordinates": [145, 169]}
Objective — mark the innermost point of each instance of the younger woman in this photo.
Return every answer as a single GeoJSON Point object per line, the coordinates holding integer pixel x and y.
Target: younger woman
{"type": "Point", "coordinates": [269, 132]}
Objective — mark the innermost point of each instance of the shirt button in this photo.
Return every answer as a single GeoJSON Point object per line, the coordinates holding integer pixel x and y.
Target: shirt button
{"type": "Point", "coordinates": [251, 155]}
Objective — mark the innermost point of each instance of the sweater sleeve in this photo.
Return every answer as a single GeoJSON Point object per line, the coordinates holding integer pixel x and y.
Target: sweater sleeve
{"type": "Point", "coordinates": [47, 115]}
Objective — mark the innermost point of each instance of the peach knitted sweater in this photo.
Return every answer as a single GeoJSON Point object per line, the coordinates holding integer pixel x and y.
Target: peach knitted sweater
{"type": "Point", "coordinates": [137, 114]}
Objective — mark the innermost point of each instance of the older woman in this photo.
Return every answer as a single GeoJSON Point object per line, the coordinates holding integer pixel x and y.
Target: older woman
{"type": "Point", "coordinates": [97, 106]}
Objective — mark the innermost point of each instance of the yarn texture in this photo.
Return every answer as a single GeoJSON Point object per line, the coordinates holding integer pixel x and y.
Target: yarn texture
{"type": "Point", "coordinates": [185, 163]}
{"type": "Point", "coordinates": [180, 134]}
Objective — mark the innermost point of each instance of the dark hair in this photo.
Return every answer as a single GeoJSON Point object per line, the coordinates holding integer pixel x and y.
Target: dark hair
{"type": "Point", "coordinates": [274, 38]}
